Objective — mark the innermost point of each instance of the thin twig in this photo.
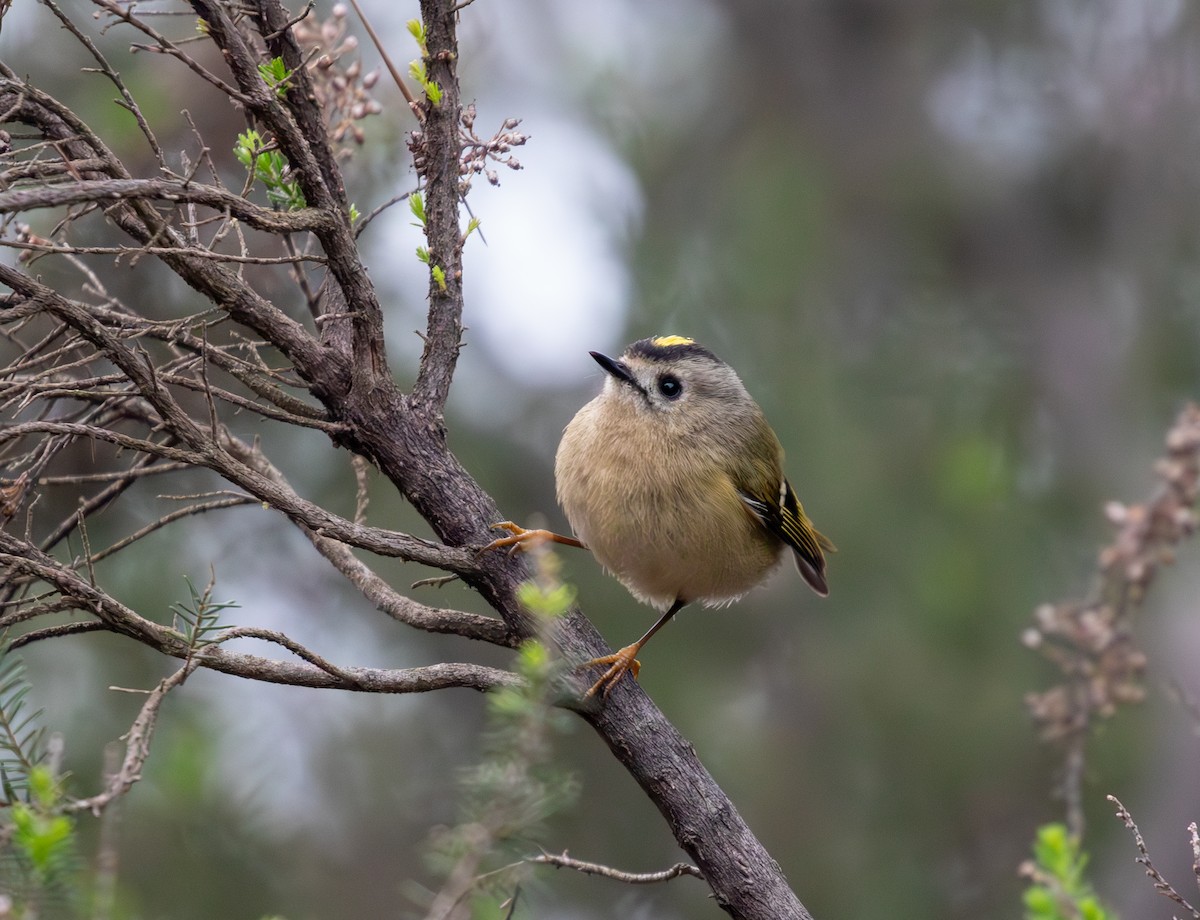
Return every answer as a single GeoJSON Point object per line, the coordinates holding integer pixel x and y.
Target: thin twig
{"type": "Point", "coordinates": [137, 746]}
{"type": "Point", "coordinates": [413, 105]}
{"type": "Point", "coordinates": [270, 635]}
{"type": "Point", "coordinates": [165, 46]}
{"type": "Point", "coordinates": [563, 861]}
{"type": "Point", "coordinates": [55, 632]}
{"type": "Point", "coordinates": [169, 518]}
{"type": "Point", "coordinates": [109, 71]}
{"type": "Point", "coordinates": [1161, 885]}
{"type": "Point", "coordinates": [377, 210]}
{"type": "Point", "coordinates": [135, 473]}
{"type": "Point", "coordinates": [1195, 841]}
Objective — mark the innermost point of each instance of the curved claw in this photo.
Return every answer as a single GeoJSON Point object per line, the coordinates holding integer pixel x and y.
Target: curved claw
{"type": "Point", "coordinates": [520, 539]}
{"type": "Point", "coordinates": [618, 663]}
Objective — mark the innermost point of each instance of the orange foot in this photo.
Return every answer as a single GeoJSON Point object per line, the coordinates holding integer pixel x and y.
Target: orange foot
{"type": "Point", "coordinates": [521, 539]}
{"type": "Point", "coordinates": [618, 663]}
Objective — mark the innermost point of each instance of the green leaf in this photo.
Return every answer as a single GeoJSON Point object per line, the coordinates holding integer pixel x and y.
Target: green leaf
{"type": "Point", "coordinates": [201, 617]}
{"type": "Point", "coordinates": [246, 149]}
{"type": "Point", "coordinates": [1059, 890]}
{"type": "Point", "coordinates": [276, 75]}
{"type": "Point", "coordinates": [271, 168]}
{"type": "Point", "coordinates": [416, 204]}
{"type": "Point", "coordinates": [21, 733]}
{"type": "Point", "coordinates": [416, 70]}
{"type": "Point", "coordinates": [553, 602]}
{"type": "Point", "coordinates": [39, 833]}
{"type": "Point", "coordinates": [417, 30]}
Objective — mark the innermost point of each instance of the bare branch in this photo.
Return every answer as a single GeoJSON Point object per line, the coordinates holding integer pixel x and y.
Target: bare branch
{"type": "Point", "coordinates": [54, 632]}
{"type": "Point", "coordinates": [166, 46]}
{"type": "Point", "coordinates": [105, 68]}
{"type": "Point", "coordinates": [105, 496]}
{"type": "Point", "coordinates": [271, 635]}
{"type": "Point", "coordinates": [121, 619]}
{"type": "Point", "coordinates": [200, 508]}
{"type": "Point", "coordinates": [16, 201]}
{"type": "Point", "coordinates": [1161, 885]}
{"type": "Point", "coordinates": [136, 472]}
{"type": "Point", "coordinates": [405, 609]}
{"type": "Point", "coordinates": [413, 105]}
{"type": "Point", "coordinates": [442, 676]}
{"type": "Point", "coordinates": [436, 148]}
{"type": "Point", "coordinates": [309, 514]}
{"type": "Point", "coordinates": [296, 128]}
{"type": "Point", "coordinates": [305, 420]}
{"type": "Point", "coordinates": [563, 861]}
{"type": "Point", "coordinates": [137, 746]}
{"type": "Point", "coordinates": [100, 433]}
{"type": "Point", "coordinates": [24, 103]}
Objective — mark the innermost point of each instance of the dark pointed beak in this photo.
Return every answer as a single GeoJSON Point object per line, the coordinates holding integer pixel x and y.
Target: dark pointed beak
{"type": "Point", "coordinates": [615, 368]}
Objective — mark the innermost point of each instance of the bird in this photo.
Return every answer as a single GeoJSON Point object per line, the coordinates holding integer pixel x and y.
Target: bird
{"type": "Point", "coordinates": [674, 480]}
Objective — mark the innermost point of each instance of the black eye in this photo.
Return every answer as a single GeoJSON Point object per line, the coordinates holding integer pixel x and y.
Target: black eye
{"type": "Point", "coordinates": [669, 386]}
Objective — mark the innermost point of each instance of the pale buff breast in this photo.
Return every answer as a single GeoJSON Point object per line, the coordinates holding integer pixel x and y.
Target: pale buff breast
{"type": "Point", "coordinates": [656, 518]}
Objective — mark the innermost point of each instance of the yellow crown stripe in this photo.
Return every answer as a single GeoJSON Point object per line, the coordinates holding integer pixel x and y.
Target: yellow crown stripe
{"type": "Point", "coordinates": [666, 341]}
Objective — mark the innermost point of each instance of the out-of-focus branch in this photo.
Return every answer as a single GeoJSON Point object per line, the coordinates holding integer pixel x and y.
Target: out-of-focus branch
{"type": "Point", "coordinates": [137, 746]}
{"type": "Point", "coordinates": [564, 861]}
{"type": "Point", "coordinates": [1092, 640]}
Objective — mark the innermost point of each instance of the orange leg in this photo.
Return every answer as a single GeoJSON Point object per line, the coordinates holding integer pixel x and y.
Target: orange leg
{"type": "Point", "coordinates": [626, 659]}
{"type": "Point", "coordinates": [521, 539]}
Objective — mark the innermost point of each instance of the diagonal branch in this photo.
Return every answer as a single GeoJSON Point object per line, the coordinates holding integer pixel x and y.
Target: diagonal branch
{"type": "Point", "coordinates": [165, 45]}
{"type": "Point", "coordinates": [405, 609]}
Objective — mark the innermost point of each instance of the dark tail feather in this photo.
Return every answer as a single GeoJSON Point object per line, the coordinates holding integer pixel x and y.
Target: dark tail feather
{"type": "Point", "coordinates": [812, 570]}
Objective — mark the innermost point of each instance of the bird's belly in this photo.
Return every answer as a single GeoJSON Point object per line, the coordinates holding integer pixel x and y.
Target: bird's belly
{"type": "Point", "coordinates": [674, 548]}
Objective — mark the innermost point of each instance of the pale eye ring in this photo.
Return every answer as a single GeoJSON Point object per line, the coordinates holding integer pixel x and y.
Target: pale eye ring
{"type": "Point", "coordinates": [669, 386]}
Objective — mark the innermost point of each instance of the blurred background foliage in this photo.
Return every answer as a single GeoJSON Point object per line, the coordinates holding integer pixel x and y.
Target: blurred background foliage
{"type": "Point", "coordinates": [954, 250]}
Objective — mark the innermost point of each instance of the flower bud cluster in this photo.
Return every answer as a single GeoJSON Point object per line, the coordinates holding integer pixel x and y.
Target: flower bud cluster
{"type": "Point", "coordinates": [336, 73]}
{"type": "Point", "coordinates": [1091, 641]}
{"type": "Point", "coordinates": [479, 155]}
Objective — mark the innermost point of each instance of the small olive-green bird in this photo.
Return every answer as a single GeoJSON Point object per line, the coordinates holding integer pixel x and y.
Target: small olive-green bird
{"type": "Point", "coordinates": [674, 480]}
